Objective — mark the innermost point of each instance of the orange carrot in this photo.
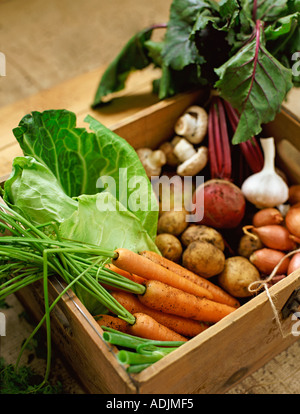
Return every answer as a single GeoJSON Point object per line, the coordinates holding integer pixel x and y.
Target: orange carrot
{"type": "Point", "coordinates": [147, 327]}
{"type": "Point", "coordinates": [134, 278]}
{"type": "Point", "coordinates": [168, 299]}
{"type": "Point", "coordinates": [219, 295]}
{"type": "Point", "coordinates": [183, 326]}
{"type": "Point", "coordinates": [112, 322]}
{"type": "Point", "coordinates": [141, 266]}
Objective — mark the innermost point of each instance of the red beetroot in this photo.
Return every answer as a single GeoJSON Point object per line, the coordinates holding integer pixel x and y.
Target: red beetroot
{"type": "Point", "coordinates": [224, 203]}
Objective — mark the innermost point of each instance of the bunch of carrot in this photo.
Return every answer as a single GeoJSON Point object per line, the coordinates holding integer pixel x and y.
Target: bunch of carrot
{"type": "Point", "coordinates": [176, 305]}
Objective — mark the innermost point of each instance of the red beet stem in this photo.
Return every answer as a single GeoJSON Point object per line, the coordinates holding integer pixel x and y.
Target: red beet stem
{"type": "Point", "coordinates": [211, 143]}
{"type": "Point", "coordinates": [219, 147]}
{"type": "Point", "coordinates": [250, 149]}
{"type": "Point", "coordinates": [226, 173]}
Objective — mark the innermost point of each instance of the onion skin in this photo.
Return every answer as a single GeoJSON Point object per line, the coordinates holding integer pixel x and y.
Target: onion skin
{"type": "Point", "coordinates": [266, 259]}
{"type": "Point", "coordinates": [275, 280]}
{"type": "Point", "coordinates": [294, 263]}
{"type": "Point", "coordinates": [267, 216]}
{"type": "Point", "coordinates": [224, 204]}
{"type": "Point", "coordinates": [275, 237]}
{"type": "Point", "coordinates": [292, 221]}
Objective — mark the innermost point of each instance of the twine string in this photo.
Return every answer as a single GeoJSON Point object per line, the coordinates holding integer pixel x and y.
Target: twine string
{"type": "Point", "coordinates": [256, 286]}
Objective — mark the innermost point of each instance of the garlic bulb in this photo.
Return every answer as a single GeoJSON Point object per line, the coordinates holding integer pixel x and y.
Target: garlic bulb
{"type": "Point", "coordinates": [266, 188]}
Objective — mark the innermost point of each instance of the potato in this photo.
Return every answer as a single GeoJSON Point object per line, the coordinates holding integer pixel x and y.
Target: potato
{"type": "Point", "coordinates": [169, 246]}
{"type": "Point", "coordinates": [203, 258]}
{"type": "Point", "coordinates": [237, 275]}
{"type": "Point", "coordinates": [199, 232]}
{"type": "Point", "coordinates": [172, 222]}
{"type": "Point", "coordinates": [248, 245]}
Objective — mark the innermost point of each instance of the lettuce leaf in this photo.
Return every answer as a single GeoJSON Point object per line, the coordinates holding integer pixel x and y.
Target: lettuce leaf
{"type": "Point", "coordinates": [101, 221]}
{"type": "Point", "coordinates": [81, 161]}
{"type": "Point", "coordinates": [98, 219]}
{"type": "Point", "coordinates": [33, 190]}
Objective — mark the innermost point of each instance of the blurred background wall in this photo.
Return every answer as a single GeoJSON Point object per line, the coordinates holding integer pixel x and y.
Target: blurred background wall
{"type": "Point", "coordinates": [48, 41]}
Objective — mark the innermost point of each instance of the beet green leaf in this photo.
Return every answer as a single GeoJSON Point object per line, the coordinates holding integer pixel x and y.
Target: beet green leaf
{"type": "Point", "coordinates": [255, 83]}
{"type": "Point", "coordinates": [133, 56]}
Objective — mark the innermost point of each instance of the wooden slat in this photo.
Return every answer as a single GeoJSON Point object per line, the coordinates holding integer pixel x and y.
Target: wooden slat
{"type": "Point", "coordinates": [78, 340]}
{"type": "Point", "coordinates": [210, 363]}
{"type": "Point", "coordinates": [286, 127]}
{"type": "Point", "coordinates": [151, 126]}
{"type": "Point", "coordinates": [228, 351]}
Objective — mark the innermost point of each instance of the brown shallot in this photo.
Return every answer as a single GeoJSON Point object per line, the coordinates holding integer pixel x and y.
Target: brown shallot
{"type": "Point", "coordinates": [294, 263]}
{"type": "Point", "coordinates": [275, 279]}
{"type": "Point", "coordinates": [292, 221]}
{"type": "Point", "coordinates": [266, 260]}
{"type": "Point", "coordinates": [269, 215]}
{"type": "Point", "coordinates": [273, 236]}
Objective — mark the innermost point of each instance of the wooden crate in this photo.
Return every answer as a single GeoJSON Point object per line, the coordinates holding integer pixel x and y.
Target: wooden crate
{"type": "Point", "coordinates": [216, 359]}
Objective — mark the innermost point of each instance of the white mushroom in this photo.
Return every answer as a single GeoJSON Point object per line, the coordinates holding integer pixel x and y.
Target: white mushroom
{"type": "Point", "coordinates": [193, 124]}
{"type": "Point", "coordinates": [184, 150]}
{"type": "Point", "coordinates": [152, 160]}
{"type": "Point", "coordinates": [168, 149]}
{"type": "Point", "coordinates": [195, 164]}
{"type": "Point", "coordinates": [175, 140]}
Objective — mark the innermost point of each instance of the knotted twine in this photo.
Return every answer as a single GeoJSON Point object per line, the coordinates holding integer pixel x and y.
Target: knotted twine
{"type": "Point", "coordinates": [254, 287]}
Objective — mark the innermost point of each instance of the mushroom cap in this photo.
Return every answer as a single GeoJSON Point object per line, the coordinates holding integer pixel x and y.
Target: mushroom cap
{"type": "Point", "coordinates": [193, 124]}
{"type": "Point", "coordinates": [195, 164]}
{"type": "Point", "coordinates": [152, 160]}
{"type": "Point", "coordinates": [184, 150]}
{"type": "Point", "coordinates": [168, 150]}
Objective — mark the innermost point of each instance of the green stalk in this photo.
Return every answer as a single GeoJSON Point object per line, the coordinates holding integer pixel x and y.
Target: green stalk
{"type": "Point", "coordinates": [77, 263]}
{"type": "Point", "coordinates": [14, 218]}
{"type": "Point", "coordinates": [9, 290]}
{"type": "Point", "coordinates": [49, 309]}
{"type": "Point", "coordinates": [115, 280]}
{"type": "Point", "coordinates": [136, 368]}
{"type": "Point", "coordinates": [143, 340]}
{"type": "Point", "coordinates": [104, 296]}
{"type": "Point", "coordinates": [149, 349]}
{"type": "Point", "coordinates": [64, 247]}
{"type": "Point", "coordinates": [119, 339]}
{"type": "Point", "coordinates": [47, 315]}
{"type": "Point", "coordinates": [132, 358]}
